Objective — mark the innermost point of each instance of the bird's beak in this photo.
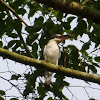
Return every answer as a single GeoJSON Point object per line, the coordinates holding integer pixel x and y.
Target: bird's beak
{"type": "Point", "coordinates": [64, 37]}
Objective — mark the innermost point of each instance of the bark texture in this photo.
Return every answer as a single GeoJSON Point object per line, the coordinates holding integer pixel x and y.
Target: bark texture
{"type": "Point", "coordinates": [74, 8]}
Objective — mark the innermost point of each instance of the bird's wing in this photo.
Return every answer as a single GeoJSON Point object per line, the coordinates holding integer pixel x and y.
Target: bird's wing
{"type": "Point", "coordinates": [44, 53]}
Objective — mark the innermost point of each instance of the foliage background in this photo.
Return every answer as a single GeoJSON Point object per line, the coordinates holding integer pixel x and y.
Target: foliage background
{"type": "Point", "coordinates": [29, 40]}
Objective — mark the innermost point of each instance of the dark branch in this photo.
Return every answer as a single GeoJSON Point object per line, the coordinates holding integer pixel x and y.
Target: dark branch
{"type": "Point", "coordinates": [25, 46]}
{"type": "Point", "coordinates": [75, 8]}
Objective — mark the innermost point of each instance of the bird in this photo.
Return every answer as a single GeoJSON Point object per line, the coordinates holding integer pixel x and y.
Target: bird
{"type": "Point", "coordinates": [52, 54]}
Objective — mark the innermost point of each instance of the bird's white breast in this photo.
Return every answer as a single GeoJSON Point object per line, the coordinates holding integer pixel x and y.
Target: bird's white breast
{"type": "Point", "coordinates": [52, 52]}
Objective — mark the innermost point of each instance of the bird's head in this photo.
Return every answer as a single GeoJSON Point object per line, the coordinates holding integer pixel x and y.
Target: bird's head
{"type": "Point", "coordinates": [60, 38]}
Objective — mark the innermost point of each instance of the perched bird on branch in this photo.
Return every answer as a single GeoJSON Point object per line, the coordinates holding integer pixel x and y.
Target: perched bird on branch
{"type": "Point", "coordinates": [52, 54]}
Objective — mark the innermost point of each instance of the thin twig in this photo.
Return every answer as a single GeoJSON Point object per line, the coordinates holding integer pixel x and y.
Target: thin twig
{"type": "Point", "coordinates": [8, 67]}
{"type": "Point", "coordinates": [85, 1]}
{"type": "Point", "coordinates": [12, 85]}
{"type": "Point", "coordinates": [13, 11]}
{"type": "Point", "coordinates": [71, 93]}
{"type": "Point", "coordinates": [85, 87]}
{"type": "Point", "coordinates": [86, 92]}
{"type": "Point", "coordinates": [94, 50]}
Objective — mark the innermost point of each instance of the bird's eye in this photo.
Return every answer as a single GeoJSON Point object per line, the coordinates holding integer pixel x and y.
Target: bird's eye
{"type": "Point", "coordinates": [57, 36]}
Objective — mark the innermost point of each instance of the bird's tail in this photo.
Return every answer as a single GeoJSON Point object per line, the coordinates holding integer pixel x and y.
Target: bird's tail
{"type": "Point", "coordinates": [48, 82]}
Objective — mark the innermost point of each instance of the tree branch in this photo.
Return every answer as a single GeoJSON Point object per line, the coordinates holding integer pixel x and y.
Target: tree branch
{"type": "Point", "coordinates": [25, 46]}
{"type": "Point", "coordinates": [75, 8]}
{"type": "Point", "coordinates": [42, 64]}
{"type": "Point", "coordinates": [12, 10]}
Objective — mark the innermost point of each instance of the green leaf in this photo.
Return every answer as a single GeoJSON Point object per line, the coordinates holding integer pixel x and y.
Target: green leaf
{"type": "Point", "coordinates": [59, 85]}
{"type": "Point", "coordinates": [94, 35]}
{"type": "Point", "coordinates": [80, 29]}
{"type": "Point", "coordinates": [2, 27]}
{"type": "Point", "coordinates": [86, 46]}
{"type": "Point", "coordinates": [55, 13]}
{"type": "Point", "coordinates": [96, 65]}
{"type": "Point", "coordinates": [17, 44]}
{"type": "Point", "coordinates": [14, 44]}
{"type": "Point", "coordinates": [16, 4]}
{"type": "Point", "coordinates": [74, 55]}
{"type": "Point", "coordinates": [36, 27]}
{"type": "Point", "coordinates": [97, 59]}
{"type": "Point", "coordinates": [97, 4]}
{"type": "Point", "coordinates": [11, 43]}
{"type": "Point", "coordinates": [34, 49]}
{"type": "Point", "coordinates": [93, 68]}
{"type": "Point", "coordinates": [17, 25]}
{"type": "Point", "coordinates": [96, 30]}
{"type": "Point", "coordinates": [50, 98]}
{"type": "Point", "coordinates": [9, 25]}
{"type": "Point", "coordinates": [92, 99]}
{"type": "Point", "coordinates": [41, 89]}
{"type": "Point", "coordinates": [29, 29]}
{"type": "Point", "coordinates": [38, 24]}
{"type": "Point", "coordinates": [21, 11]}
{"type": "Point", "coordinates": [13, 35]}
{"type": "Point", "coordinates": [33, 7]}
{"type": "Point", "coordinates": [2, 8]}
{"type": "Point", "coordinates": [85, 55]}
{"type": "Point", "coordinates": [94, 38]}
{"type": "Point", "coordinates": [70, 19]}
{"type": "Point", "coordinates": [64, 59]}
{"type": "Point", "coordinates": [2, 92]}
{"type": "Point", "coordinates": [31, 38]}
{"type": "Point", "coordinates": [15, 77]}
{"type": "Point", "coordinates": [31, 13]}
{"type": "Point", "coordinates": [59, 15]}
{"type": "Point", "coordinates": [1, 44]}
{"type": "Point", "coordinates": [50, 28]}
{"type": "Point", "coordinates": [66, 25]}
{"type": "Point", "coordinates": [28, 89]}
